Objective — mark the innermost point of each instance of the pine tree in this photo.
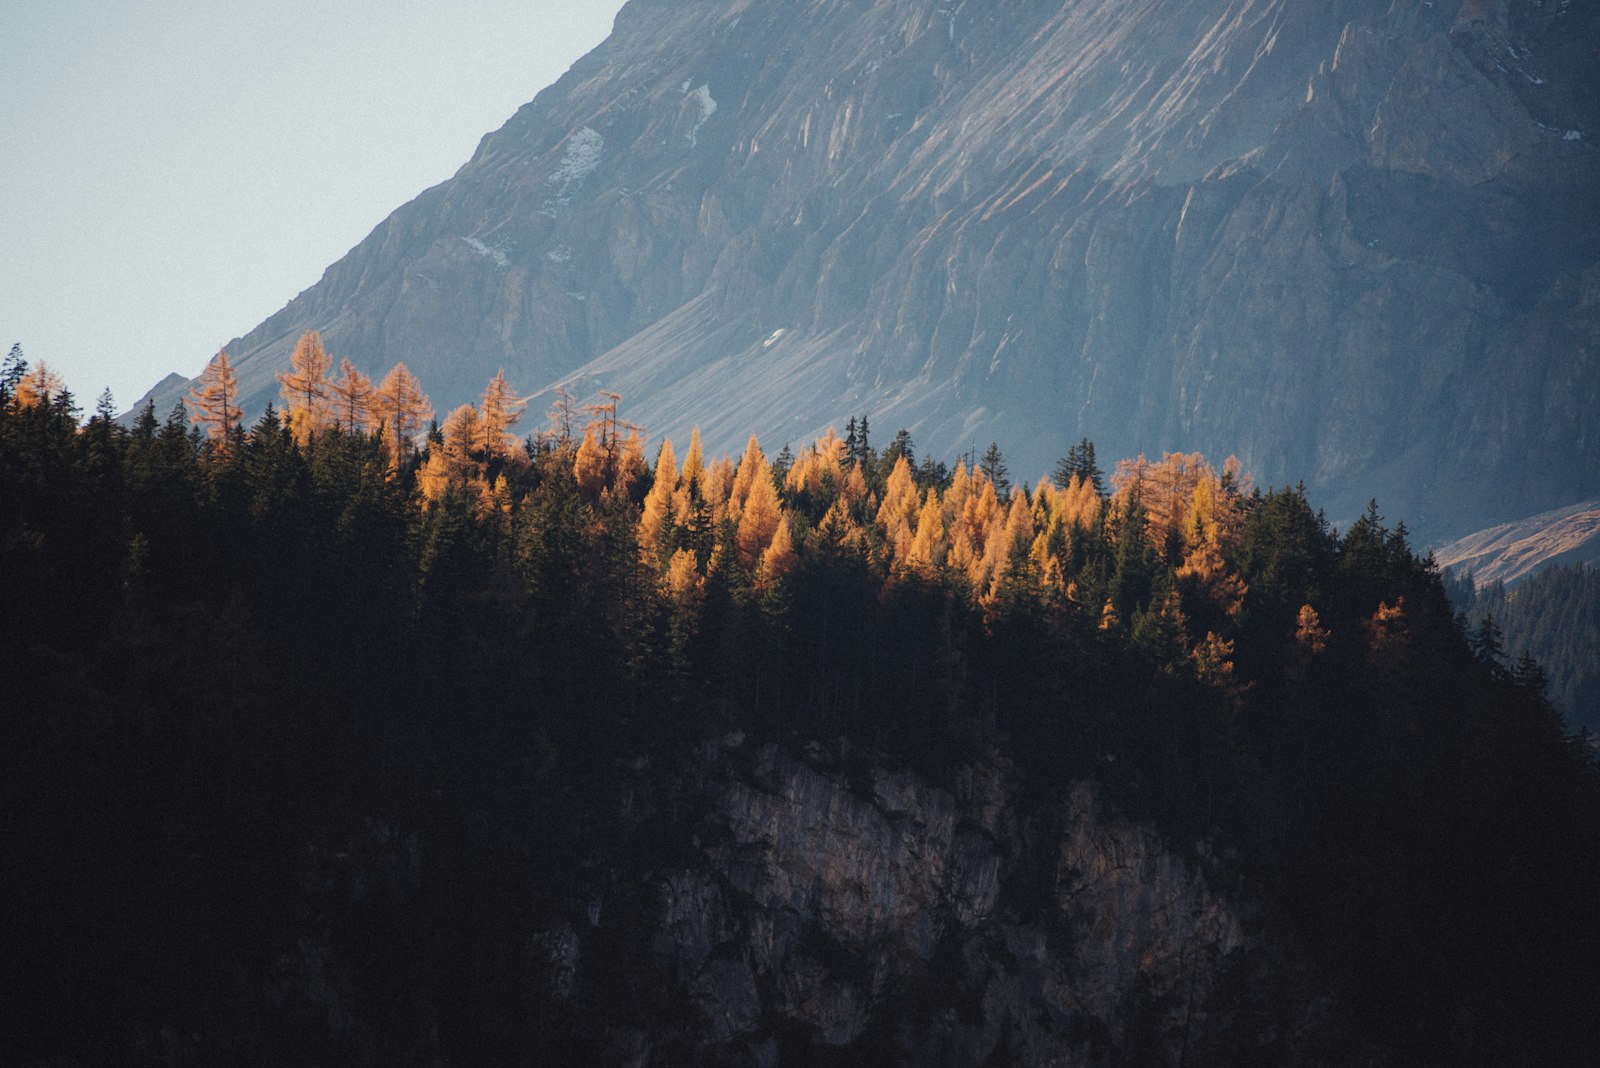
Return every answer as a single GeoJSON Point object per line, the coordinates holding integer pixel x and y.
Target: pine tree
{"type": "Point", "coordinates": [11, 372]}
{"type": "Point", "coordinates": [994, 466]}
{"type": "Point", "coordinates": [400, 407]}
{"type": "Point", "coordinates": [900, 446]}
{"type": "Point", "coordinates": [214, 402]}
{"type": "Point", "coordinates": [1080, 463]}
{"type": "Point", "coordinates": [305, 388]}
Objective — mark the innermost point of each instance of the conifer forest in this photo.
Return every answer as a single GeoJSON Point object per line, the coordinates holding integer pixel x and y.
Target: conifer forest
{"type": "Point", "coordinates": [323, 727]}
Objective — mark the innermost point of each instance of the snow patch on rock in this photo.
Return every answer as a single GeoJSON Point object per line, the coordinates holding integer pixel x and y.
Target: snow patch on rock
{"type": "Point", "coordinates": [708, 108]}
{"type": "Point", "coordinates": [581, 159]}
{"type": "Point", "coordinates": [494, 252]}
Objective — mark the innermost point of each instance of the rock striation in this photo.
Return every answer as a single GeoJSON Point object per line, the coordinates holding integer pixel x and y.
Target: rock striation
{"type": "Point", "coordinates": [1353, 242]}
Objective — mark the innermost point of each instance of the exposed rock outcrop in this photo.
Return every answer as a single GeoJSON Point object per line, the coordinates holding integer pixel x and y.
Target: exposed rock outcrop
{"type": "Point", "coordinates": [866, 909]}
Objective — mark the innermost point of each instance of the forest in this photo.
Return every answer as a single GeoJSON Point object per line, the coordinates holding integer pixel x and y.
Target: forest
{"type": "Point", "coordinates": [230, 646]}
{"type": "Point", "coordinates": [1552, 615]}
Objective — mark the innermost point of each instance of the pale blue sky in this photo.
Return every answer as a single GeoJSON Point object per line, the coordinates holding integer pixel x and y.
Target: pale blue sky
{"type": "Point", "coordinates": [172, 172]}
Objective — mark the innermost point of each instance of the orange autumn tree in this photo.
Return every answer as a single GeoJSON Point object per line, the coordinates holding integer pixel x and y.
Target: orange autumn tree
{"type": "Point", "coordinates": [38, 387]}
{"type": "Point", "coordinates": [214, 400]}
{"type": "Point", "coordinates": [351, 397]}
{"type": "Point", "coordinates": [499, 410]}
{"type": "Point", "coordinates": [305, 388]}
{"type": "Point", "coordinates": [400, 408]}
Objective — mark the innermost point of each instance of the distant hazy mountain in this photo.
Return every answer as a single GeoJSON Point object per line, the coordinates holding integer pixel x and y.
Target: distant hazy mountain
{"type": "Point", "coordinates": [1354, 242]}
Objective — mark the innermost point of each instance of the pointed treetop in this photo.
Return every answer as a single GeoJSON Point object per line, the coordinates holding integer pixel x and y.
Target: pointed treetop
{"type": "Point", "coordinates": [215, 400]}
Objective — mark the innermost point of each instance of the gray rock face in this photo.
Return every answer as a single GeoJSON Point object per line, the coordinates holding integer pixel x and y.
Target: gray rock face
{"type": "Point", "coordinates": [881, 912]}
{"type": "Point", "coordinates": [1352, 242]}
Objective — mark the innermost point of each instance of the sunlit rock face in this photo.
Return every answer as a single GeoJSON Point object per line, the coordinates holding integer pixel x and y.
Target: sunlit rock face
{"type": "Point", "coordinates": [1354, 242]}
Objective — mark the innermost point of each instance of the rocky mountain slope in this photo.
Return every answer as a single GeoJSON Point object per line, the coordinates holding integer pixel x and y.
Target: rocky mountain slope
{"type": "Point", "coordinates": [1513, 551]}
{"type": "Point", "coordinates": [1352, 242]}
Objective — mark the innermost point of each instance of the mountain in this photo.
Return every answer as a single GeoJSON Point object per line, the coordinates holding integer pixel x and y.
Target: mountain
{"type": "Point", "coordinates": [1510, 552]}
{"type": "Point", "coordinates": [1352, 242]}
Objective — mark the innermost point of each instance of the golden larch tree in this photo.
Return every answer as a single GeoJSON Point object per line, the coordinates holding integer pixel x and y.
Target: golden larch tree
{"type": "Point", "coordinates": [683, 582]}
{"type": "Point", "coordinates": [214, 401]}
{"type": "Point", "coordinates": [658, 511]}
{"type": "Point", "coordinates": [351, 395]}
{"type": "Point", "coordinates": [900, 499]}
{"type": "Point", "coordinates": [501, 409]}
{"type": "Point", "coordinates": [780, 559]}
{"type": "Point", "coordinates": [452, 463]}
{"type": "Point", "coordinates": [38, 386]}
{"type": "Point", "coordinates": [955, 498]}
{"type": "Point", "coordinates": [462, 433]}
{"type": "Point", "coordinates": [400, 407]}
{"type": "Point", "coordinates": [305, 387]}
{"type": "Point", "coordinates": [1309, 633]}
{"type": "Point", "coordinates": [853, 490]}
{"type": "Point", "coordinates": [718, 484]}
{"type": "Point", "coordinates": [752, 465]}
{"type": "Point", "coordinates": [563, 410]}
{"type": "Point", "coordinates": [694, 464]}
{"type": "Point", "coordinates": [630, 467]}
{"type": "Point", "coordinates": [758, 522]}
{"type": "Point", "coordinates": [590, 466]}
{"type": "Point", "coordinates": [928, 546]}
{"type": "Point", "coordinates": [691, 487]}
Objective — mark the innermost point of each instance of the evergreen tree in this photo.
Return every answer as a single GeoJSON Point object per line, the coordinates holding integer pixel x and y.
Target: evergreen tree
{"type": "Point", "coordinates": [11, 375]}
{"type": "Point", "coordinates": [993, 466]}
{"type": "Point", "coordinates": [1080, 463]}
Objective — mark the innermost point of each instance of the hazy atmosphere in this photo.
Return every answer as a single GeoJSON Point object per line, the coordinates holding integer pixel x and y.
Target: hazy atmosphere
{"type": "Point", "coordinates": [176, 171]}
